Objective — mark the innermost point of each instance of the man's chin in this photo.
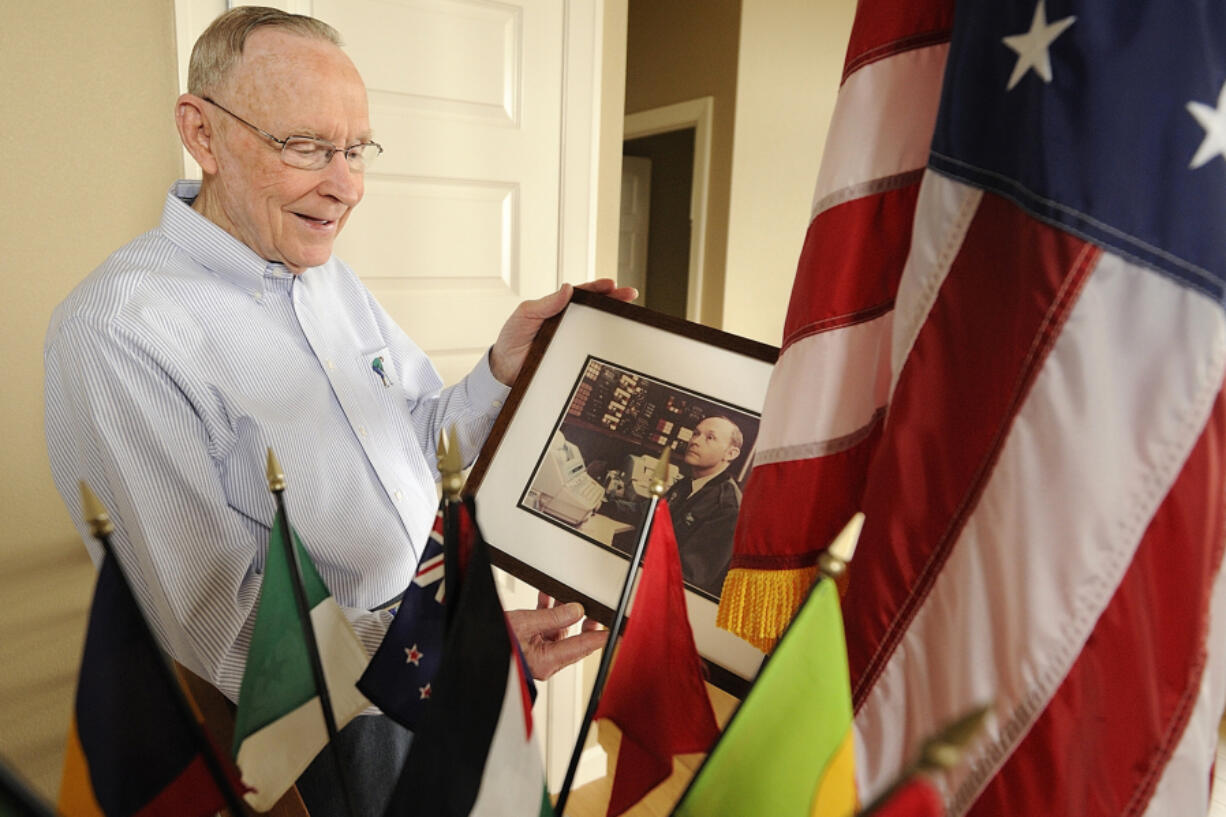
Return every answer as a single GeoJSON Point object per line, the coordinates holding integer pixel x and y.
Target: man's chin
{"type": "Point", "coordinates": [305, 260]}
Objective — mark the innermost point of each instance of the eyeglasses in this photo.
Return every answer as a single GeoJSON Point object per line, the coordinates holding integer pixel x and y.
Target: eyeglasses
{"type": "Point", "coordinates": [309, 153]}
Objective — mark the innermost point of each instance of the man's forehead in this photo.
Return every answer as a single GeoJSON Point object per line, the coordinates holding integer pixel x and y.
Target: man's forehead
{"type": "Point", "coordinates": [718, 425]}
{"type": "Point", "coordinates": [286, 76]}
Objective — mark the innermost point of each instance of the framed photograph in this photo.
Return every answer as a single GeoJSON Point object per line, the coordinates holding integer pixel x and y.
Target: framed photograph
{"type": "Point", "coordinates": [562, 484]}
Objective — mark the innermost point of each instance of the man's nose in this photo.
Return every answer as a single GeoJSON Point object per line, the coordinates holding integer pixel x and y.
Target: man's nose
{"type": "Point", "coordinates": [341, 181]}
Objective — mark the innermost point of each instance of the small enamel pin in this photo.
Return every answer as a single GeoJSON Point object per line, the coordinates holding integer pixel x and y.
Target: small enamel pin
{"type": "Point", "coordinates": [377, 366]}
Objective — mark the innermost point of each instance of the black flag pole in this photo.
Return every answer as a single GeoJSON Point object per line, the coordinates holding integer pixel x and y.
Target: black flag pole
{"type": "Point", "coordinates": [276, 484]}
{"type": "Point", "coordinates": [101, 527]}
{"type": "Point", "coordinates": [659, 483]}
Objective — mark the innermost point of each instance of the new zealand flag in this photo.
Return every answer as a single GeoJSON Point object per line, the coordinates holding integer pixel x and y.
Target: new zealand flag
{"type": "Point", "coordinates": [400, 673]}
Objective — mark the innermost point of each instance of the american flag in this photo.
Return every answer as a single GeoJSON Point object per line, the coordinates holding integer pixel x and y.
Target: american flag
{"type": "Point", "coordinates": [1006, 344]}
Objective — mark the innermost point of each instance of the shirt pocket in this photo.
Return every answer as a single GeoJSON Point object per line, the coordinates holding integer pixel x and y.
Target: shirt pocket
{"type": "Point", "coordinates": [377, 364]}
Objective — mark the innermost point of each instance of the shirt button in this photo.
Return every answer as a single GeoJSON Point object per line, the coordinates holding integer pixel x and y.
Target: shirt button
{"type": "Point", "coordinates": [329, 363]}
{"type": "Point", "coordinates": [259, 296]}
{"type": "Point", "coordinates": [497, 403]}
{"type": "Point", "coordinates": [399, 496]}
{"type": "Point", "coordinates": [361, 431]}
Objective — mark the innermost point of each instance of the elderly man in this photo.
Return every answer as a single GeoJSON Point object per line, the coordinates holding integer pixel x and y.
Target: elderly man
{"type": "Point", "coordinates": [231, 328]}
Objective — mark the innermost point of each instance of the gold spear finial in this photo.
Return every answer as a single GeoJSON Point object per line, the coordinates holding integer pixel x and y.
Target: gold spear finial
{"type": "Point", "coordinates": [95, 512]}
{"type": "Point", "coordinates": [276, 477]}
{"type": "Point", "coordinates": [832, 562]}
{"type": "Point", "coordinates": [944, 749]}
{"type": "Point", "coordinates": [659, 477]}
{"type": "Point", "coordinates": [450, 464]}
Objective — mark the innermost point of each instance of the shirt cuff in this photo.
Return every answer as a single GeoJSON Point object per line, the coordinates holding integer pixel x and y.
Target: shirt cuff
{"type": "Point", "coordinates": [484, 390]}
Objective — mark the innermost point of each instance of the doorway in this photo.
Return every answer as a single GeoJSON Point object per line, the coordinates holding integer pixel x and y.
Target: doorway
{"type": "Point", "coordinates": [656, 237]}
{"type": "Point", "coordinates": [670, 237]}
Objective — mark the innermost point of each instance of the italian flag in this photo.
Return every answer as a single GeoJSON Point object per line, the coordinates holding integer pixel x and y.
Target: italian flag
{"type": "Point", "coordinates": [279, 727]}
{"type": "Point", "coordinates": [475, 751]}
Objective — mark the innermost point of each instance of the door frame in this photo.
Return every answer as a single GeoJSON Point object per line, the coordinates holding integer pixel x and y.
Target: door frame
{"type": "Point", "coordinates": [697, 114]}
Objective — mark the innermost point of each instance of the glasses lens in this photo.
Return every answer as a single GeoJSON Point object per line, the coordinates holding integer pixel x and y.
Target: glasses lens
{"type": "Point", "coordinates": [361, 157]}
{"type": "Point", "coordinates": [305, 153]}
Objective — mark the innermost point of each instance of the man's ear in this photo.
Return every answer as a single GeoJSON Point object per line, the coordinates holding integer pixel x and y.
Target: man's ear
{"type": "Point", "coordinates": [732, 453]}
{"type": "Point", "coordinates": [196, 131]}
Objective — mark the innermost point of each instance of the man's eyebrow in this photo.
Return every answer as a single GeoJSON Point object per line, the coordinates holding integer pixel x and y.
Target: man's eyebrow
{"type": "Point", "coordinates": [311, 133]}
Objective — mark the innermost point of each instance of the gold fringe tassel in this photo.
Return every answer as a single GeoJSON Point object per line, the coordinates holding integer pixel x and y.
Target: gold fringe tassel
{"type": "Point", "coordinates": [757, 605]}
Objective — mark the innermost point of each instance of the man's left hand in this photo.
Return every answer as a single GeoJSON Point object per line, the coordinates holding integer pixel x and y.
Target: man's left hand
{"type": "Point", "coordinates": [511, 348]}
{"type": "Point", "coordinates": [542, 636]}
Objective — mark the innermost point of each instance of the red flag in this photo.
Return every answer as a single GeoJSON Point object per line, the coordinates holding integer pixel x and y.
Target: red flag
{"type": "Point", "coordinates": [655, 693]}
{"type": "Point", "coordinates": [1005, 348]}
{"type": "Point", "coordinates": [915, 798]}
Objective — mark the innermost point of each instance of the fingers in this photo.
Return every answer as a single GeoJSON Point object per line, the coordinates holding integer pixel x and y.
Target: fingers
{"type": "Point", "coordinates": [543, 621]}
{"type": "Point", "coordinates": [607, 286]}
{"type": "Point", "coordinates": [511, 347]}
{"type": "Point", "coordinates": [543, 600]}
{"type": "Point", "coordinates": [547, 659]}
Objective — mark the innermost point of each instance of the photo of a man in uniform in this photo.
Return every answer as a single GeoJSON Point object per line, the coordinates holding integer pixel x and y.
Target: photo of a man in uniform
{"type": "Point", "coordinates": [594, 475]}
{"type": "Point", "coordinates": [704, 503]}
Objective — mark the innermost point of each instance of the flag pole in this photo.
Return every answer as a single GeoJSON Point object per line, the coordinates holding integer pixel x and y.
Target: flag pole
{"type": "Point", "coordinates": [940, 752]}
{"type": "Point", "coordinates": [659, 481]}
{"type": "Point", "coordinates": [101, 527]}
{"type": "Point", "coordinates": [276, 484]}
{"type": "Point", "coordinates": [451, 480]}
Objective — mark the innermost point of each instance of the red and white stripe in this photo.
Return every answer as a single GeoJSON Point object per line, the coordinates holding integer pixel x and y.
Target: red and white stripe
{"type": "Point", "coordinates": [1041, 455]}
{"type": "Point", "coordinates": [1044, 529]}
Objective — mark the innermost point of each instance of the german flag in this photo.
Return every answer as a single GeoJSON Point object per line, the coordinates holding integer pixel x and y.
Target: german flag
{"type": "Point", "coordinates": [131, 752]}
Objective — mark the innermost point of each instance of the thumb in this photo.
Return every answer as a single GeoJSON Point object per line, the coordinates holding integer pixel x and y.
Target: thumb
{"type": "Point", "coordinates": [528, 623]}
{"type": "Point", "coordinates": [549, 305]}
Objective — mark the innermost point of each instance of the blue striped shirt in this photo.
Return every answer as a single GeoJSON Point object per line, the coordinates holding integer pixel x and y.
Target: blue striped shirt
{"type": "Point", "coordinates": [170, 371]}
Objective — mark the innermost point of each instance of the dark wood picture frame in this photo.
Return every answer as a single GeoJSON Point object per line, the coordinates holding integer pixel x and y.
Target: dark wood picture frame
{"type": "Point", "coordinates": [704, 367]}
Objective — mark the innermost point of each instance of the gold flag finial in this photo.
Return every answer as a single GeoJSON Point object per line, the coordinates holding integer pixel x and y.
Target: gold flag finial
{"type": "Point", "coordinates": [276, 477]}
{"type": "Point", "coordinates": [450, 464]}
{"type": "Point", "coordinates": [832, 562]}
{"type": "Point", "coordinates": [944, 749]}
{"type": "Point", "coordinates": [659, 477]}
{"type": "Point", "coordinates": [95, 512]}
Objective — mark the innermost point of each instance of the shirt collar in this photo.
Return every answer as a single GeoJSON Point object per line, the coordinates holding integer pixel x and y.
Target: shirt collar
{"type": "Point", "coordinates": [209, 245]}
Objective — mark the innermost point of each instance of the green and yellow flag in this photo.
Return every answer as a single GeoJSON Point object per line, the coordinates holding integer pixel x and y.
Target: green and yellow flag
{"type": "Point", "coordinates": [788, 751]}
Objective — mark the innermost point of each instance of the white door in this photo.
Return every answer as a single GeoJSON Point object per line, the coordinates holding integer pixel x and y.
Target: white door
{"type": "Point", "coordinates": [460, 219]}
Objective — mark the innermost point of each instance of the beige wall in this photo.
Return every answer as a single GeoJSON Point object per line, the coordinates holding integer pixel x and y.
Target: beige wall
{"type": "Point", "coordinates": [790, 60]}
{"type": "Point", "coordinates": [89, 151]}
{"type": "Point", "coordinates": [675, 53]}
